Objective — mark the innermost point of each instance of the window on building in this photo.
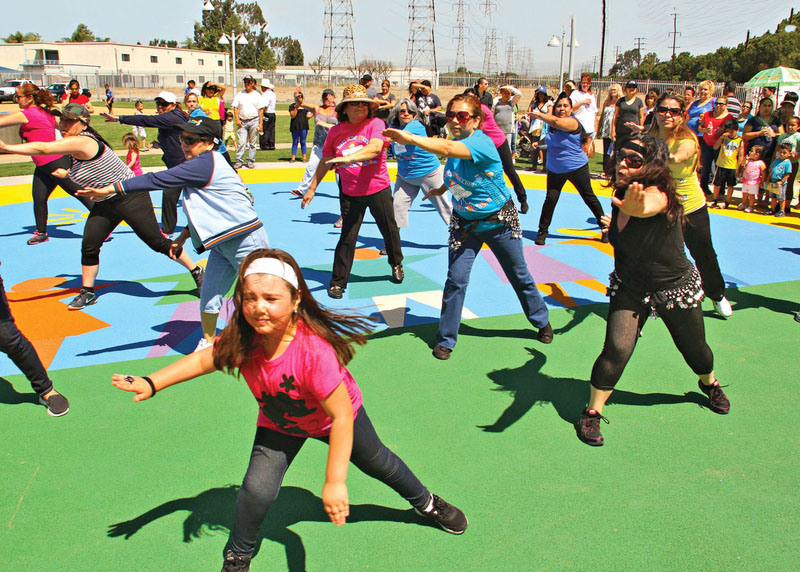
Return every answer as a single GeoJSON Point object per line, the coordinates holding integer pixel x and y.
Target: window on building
{"type": "Point", "coordinates": [153, 59]}
{"type": "Point", "coordinates": [51, 56]}
{"type": "Point", "coordinates": [220, 79]}
{"type": "Point", "coordinates": [179, 79]}
{"type": "Point", "coordinates": [200, 62]}
{"type": "Point", "coordinates": [125, 57]}
{"type": "Point", "coordinates": [219, 63]}
{"type": "Point", "coordinates": [178, 60]}
{"type": "Point", "coordinates": [201, 79]}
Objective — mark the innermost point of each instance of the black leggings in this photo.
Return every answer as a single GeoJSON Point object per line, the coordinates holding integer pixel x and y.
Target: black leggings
{"type": "Point", "coordinates": [136, 210]}
{"type": "Point", "coordinates": [44, 183]}
{"type": "Point", "coordinates": [508, 168]}
{"type": "Point", "coordinates": [555, 182]}
{"type": "Point", "coordinates": [169, 209]}
{"type": "Point", "coordinates": [608, 160]}
{"type": "Point", "coordinates": [697, 236]}
{"type": "Point", "coordinates": [626, 316]}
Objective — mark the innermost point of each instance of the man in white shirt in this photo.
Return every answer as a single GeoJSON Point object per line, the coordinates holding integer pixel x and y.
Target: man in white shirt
{"type": "Point", "coordinates": [247, 114]}
{"type": "Point", "coordinates": [268, 100]}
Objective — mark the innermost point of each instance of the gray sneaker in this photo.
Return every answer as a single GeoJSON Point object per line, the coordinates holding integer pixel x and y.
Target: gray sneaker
{"type": "Point", "coordinates": [238, 165]}
{"type": "Point", "coordinates": [57, 405]}
{"type": "Point", "coordinates": [234, 563]}
{"type": "Point", "coordinates": [85, 298]}
{"type": "Point", "coordinates": [251, 165]}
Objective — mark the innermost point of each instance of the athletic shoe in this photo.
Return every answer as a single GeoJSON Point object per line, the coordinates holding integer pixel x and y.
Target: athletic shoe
{"type": "Point", "coordinates": [335, 292]}
{"type": "Point", "coordinates": [723, 307]}
{"type": "Point", "coordinates": [780, 214]}
{"type": "Point", "coordinates": [449, 517]}
{"type": "Point", "coordinates": [523, 207]}
{"type": "Point", "coordinates": [545, 334]}
{"type": "Point", "coordinates": [749, 210]}
{"type": "Point", "coordinates": [251, 165]}
{"type": "Point", "coordinates": [741, 207]}
{"type": "Point", "coordinates": [769, 212]}
{"type": "Point", "coordinates": [383, 251]}
{"type": "Point", "coordinates": [238, 165]}
{"type": "Point", "coordinates": [57, 405]}
{"type": "Point", "coordinates": [588, 428]}
{"type": "Point", "coordinates": [541, 238]}
{"type": "Point", "coordinates": [203, 344]}
{"type": "Point", "coordinates": [797, 317]}
{"type": "Point", "coordinates": [713, 205]}
{"type": "Point", "coordinates": [234, 563]}
{"type": "Point", "coordinates": [724, 205]}
{"type": "Point", "coordinates": [38, 237]}
{"type": "Point", "coordinates": [398, 274]}
{"type": "Point", "coordinates": [198, 274]}
{"type": "Point", "coordinates": [338, 223]}
{"type": "Point", "coordinates": [85, 298]}
{"type": "Point", "coordinates": [441, 352]}
{"type": "Point", "coordinates": [717, 400]}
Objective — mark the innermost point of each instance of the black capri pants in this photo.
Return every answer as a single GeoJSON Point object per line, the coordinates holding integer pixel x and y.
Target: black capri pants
{"type": "Point", "coordinates": [555, 182]}
{"type": "Point", "coordinates": [44, 183]}
{"type": "Point", "coordinates": [135, 209]}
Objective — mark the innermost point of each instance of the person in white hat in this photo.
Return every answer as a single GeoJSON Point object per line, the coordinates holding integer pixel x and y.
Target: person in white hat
{"type": "Point", "coordinates": [268, 100]}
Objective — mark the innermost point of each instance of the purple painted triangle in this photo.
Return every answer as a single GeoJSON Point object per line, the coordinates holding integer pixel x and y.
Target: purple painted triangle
{"type": "Point", "coordinates": [543, 268]}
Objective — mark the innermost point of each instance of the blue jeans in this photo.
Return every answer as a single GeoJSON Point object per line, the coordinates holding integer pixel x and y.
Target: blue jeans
{"type": "Point", "coordinates": [272, 454]}
{"type": "Point", "coordinates": [509, 254]}
{"type": "Point", "coordinates": [299, 137]}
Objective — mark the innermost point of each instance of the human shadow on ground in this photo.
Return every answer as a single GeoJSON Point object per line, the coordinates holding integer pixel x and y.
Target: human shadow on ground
{"type": "Point", "coordinates": [378, 243]}
{"type": "Point", "coordinates": [52, 232]}
{"type": "Point", "coordinates": [213, 511]}
{"type": "Point", "coordinates": [11, 396]}
{"type": "Point", "coordinates": [741, 300]}
{"type": "Point", "coordinates": [319, 218]}
{"type": "Point", "coordinates": [529, 386]}
{"type": "Point", "coordinates": [172, 334]}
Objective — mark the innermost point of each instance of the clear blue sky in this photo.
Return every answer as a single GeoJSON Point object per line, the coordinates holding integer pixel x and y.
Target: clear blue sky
{"type": "Point", "coordinates": [381, 28]}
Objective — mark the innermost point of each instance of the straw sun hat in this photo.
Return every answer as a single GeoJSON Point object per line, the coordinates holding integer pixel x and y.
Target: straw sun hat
{"type": "Point", "coordinates": [355, 92]}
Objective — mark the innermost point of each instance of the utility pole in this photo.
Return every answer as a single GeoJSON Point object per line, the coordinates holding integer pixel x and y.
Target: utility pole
{"type": "Point", "coordinates": [338, 48]}
{"type": "Point", "coordinates": [421, 42]}
{"type": "Point", "coordinates": [674, 33]}
{"type": "Point", "coordinates": [639, 41]}
{"type": "Point", "coordinates": [603, 37]}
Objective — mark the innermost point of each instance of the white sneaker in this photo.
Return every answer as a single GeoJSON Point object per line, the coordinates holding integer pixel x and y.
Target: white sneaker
{"type": "Point", "coordinates": [723, 307]}
{"type": "Point", "coordinates": [204, 343]}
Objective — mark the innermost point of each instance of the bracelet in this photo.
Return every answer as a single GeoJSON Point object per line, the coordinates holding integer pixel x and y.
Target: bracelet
{"type": "Point", "coordinates": [150, 383]}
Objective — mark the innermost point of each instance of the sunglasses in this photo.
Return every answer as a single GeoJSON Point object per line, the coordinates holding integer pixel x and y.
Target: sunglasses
{"type": "Point", "coordinates": [189, 139]}
{"type": "Point", "coordinates": [460, 116]}
{"type": "Point", "coordinates": [632, 160]}
{"type": "Point", "coordinates": [357, 103]}
{"type": "Point", "coordinates": [663, 109]}
{"type": "Point", "coordinates": [404, 111]}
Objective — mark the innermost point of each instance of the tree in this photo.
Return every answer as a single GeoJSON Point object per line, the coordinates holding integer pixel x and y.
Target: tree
{"type": "Point", "coordinates": [229, 16]}
{"type": "Point", "coordinates": [18, 37]}
{"type": "Point", "coordinates": [378, 69]}
{"type": "Point", "coordinates": [164, 43]}
{"type": "Point", "coordinates": [83, 34]}
{"type": "Point", "coordinates": [317, 66]}
{"type": "Point", "coordinates": [293, 55]}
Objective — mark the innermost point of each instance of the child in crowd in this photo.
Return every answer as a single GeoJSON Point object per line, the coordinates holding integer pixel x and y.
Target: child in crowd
{"type": "Point", "coordinates": [792, 136]}
{"type": "Point", "coordinates": [131, 143]}
{"type": "Point", "coordinates": [109, 99]}
{"type": "Point", "coordinates": [139, 131]}
{"type": "Point", "coordinates": [731, 153]}
{"type": "Point", "coordinates": [228, 132]}
{"type": "Point", "coordinates": [292, 354]}
{"type": "Point", "coordinates": [753, 173]}
{"type": "Point", "coordinates": [779, 172]}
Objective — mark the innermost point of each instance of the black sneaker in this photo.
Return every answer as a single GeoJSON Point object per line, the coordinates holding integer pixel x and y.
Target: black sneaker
{"type": "Point", "coordinates": [441, 352]}
{"type": "Point", "coordinates": [398, 274]}
{"type": "Point", "coordinates": [38, 237]}
{"type": "Point", "coordinates": [335, 292]}
{"type": "Point", "coordinates": [717, 400]}
{"type": "Point", "coordinates": [85, 298]}
{"type": "Point", "coordinates": [588, 428]}
{"type": "Point", "coordinates": [545, 334]}
{"type": "Point", "coordinates": [198, 274]}
{"type": "Point", "coordinates": [234, 563]}
{"type": "Point", "coordinates": [523, 207]}
{"type": "Point", "coordinates": [57, 405]}
{"type": "Point", "coordinates": [449, 517]}
{"type": "Point", "coordinates": [541, 238]}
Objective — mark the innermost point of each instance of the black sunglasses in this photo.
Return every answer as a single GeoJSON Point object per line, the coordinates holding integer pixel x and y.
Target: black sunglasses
{"type": "Point", "coordinates": [633, 160]}
{"type": "Point", "coordinates": [663, 109]}
{"type": "Point", "coordinates": [189, 139]}
{"type": "Point", "coordinates": [720, 103]}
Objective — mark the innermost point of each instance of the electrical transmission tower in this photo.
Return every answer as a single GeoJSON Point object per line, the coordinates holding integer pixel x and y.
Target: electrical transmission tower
{"type": "Point", "coordinates": [421, 44]}
{"type": "Point", "coordinates": [338, 49]}
{"type": "Point", "coordinates": [510, 54]}
{"type": "Point", "coordinates": [490, 44]}
{"type": "Point", "coordinates": [461, 61]}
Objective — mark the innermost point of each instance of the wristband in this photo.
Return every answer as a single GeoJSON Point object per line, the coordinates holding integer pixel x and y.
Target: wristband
{"type": "Point", "coordinates": [150, 383]}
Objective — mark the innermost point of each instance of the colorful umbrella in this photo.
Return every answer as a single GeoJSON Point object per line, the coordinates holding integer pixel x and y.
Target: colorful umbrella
{"type": "Point", "coordinates": [775, 77]}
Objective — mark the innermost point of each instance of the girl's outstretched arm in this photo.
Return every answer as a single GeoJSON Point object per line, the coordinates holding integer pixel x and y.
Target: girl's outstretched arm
{"type": "Point", "coordinates": [186, 368]}
{"type": "Point", "coordinates": [334, 494]}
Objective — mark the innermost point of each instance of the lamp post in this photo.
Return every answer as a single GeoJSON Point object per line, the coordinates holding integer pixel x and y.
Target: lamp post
{"type": "Point", "coordinates": [233, 38]}
{"type": "Point", "coordinates": [555, 42]}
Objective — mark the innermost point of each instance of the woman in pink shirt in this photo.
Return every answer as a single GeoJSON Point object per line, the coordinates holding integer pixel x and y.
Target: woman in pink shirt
{"type": "Point", "coordinates": [293, 354]}
{"type": "Point", "coordinates": [356, 147]}
{"type": "Point", "coordinates": [37, 124]}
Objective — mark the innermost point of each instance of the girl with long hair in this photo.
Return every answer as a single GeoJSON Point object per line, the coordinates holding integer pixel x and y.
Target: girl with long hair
{"type": "Point", "coordinates": [651, 276]}
{"type": "Point", "coordinates": [293, 354]}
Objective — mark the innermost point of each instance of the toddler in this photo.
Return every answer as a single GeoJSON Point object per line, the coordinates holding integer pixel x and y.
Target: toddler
{"type": "Point", "coordinates": [730, 157]}
{"type": "Point", "coordinates": [779, 172]}
{"type": "Point", "coordinates": [131, 143]}
{"type": "Point", "coordinates": [228, 133]}
{"type": "Point", "coordinates": [792, 136]}
{"type": "Point", "coordinates": [753, 172]}
{"type": "Point", "coordinates": [139, 131]}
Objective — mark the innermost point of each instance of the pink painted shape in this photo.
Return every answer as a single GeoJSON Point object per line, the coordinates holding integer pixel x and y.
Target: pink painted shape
{"type": "Point", "coordinates": [186, 312]}
{"type": "Point", "coordinates": [543, 268]}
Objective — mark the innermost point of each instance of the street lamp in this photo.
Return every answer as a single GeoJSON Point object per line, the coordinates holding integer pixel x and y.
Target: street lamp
{"type": "Point", "coordinates": [555, 42]}
{"type": "Point", "coordinates": [233, 38]}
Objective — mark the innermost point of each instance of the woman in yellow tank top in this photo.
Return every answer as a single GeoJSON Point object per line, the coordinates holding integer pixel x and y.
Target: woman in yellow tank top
{"type": "Point", "coordinates": [211, 98]}
{"type": "Point", "coordinates": [670, 125]}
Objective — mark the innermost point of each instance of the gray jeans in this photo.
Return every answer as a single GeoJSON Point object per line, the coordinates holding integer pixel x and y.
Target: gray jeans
{"type": "Point", "coordinates": [248, 137]}
{"type": "Point", "coordinates": [406, 190]}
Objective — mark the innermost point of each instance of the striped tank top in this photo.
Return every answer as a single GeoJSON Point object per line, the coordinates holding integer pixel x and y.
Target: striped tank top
{"type": "Point", "coordinates": [101, 170]}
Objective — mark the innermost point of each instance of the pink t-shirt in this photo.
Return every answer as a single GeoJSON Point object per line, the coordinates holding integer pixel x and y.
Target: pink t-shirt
{"type": "Point", "coordinates": [365, 177]}
{"type": "Point", "coordinates": [41, 127]}
{"type": "Point", "coordinates": [136, 168]}
{"type": "Point", "coordinates": [490, 127]}
{"type": "Point", "coordinates": [289, 388]}
{"type": "Point", "coordinates": [751, 174]}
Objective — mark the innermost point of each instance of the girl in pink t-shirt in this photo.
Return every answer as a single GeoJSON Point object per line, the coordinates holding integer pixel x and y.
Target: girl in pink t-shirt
{"type": "Point", "coordinates": [753, 172]}
{"type": "Point", "coordinates": [37, 125]}
{"type": "Point", "coordinates": [292, 353]}
{"type": "Point", "coordinates": [131, 143]}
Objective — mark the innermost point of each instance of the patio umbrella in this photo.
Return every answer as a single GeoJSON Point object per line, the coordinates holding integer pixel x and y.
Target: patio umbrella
{"type": "Point", "coordinates": [774, 77]}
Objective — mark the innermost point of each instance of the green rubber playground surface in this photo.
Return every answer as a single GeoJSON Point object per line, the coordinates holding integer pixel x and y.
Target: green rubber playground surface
{"type": "Point", "coordinates": [151, 486]}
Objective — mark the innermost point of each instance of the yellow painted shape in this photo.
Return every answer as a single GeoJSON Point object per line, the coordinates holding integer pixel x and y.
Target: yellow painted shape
{"type": "Point", "coordinates": [593, 284]}
{"type": "Point", "coordinates": [15, 194]}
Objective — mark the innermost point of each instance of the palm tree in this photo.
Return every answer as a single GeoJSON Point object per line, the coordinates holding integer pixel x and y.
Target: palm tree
{"type": "Point", "coordinates": [18, 37]}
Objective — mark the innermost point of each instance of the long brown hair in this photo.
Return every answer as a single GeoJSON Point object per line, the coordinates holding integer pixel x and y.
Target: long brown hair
{"type": "Point", "coordinates": [682, 131]}
{"type": "Point", "coordinates": [41, 97]}
{"type": "Point", "coordinates": [472, 101]}
{"type": "Point", "coordinates": [238, 340]}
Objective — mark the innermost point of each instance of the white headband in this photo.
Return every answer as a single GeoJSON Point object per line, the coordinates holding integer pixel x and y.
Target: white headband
{"type": "Point", "coordinates": [272, 266]}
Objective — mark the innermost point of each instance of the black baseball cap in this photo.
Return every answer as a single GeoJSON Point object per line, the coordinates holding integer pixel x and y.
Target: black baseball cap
{"type": "Point", "coordinates": [205, 127]}
{"type": "Point", "coordinates": [366, 77]}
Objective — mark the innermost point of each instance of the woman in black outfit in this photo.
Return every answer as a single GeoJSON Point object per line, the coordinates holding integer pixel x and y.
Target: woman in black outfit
{"type": "Point", "coordinates": [651, 275]}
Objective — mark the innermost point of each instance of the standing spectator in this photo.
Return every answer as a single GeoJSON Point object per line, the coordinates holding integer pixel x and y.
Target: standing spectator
{"type": "Point", "coordinates": [769, 93]}
{"type": "Point", "coordinates": [628, 116]}
{"type": "Point", "coordinates": [791, 136]}
{"type": "Point", "coordinates": [430, 106]}
{"type": "Point", "coordinates": [703, 103]}
{"type": "Point", "coordinates": [482, 89]}
{"type": "Point", "coordinates": [688, 95]}
{"type": "Point", "coordinates": [762, 129]}
{"type": "Point", "coordinates": [542, 103]}
{"type": "Point", "coordinates": [366, 81]}
{"type": "Point", "coordinates": [268, 101]}
{"type": "Point", "coordinates": [584, 109]}
{"type": "Point", "coordinates": [787, 109]}
{"type": "Point", "coordinates": [649, 106]}
{"type": "Point", "coordinates": [779, 172]}
{"type": "Point", "coordinates": [211, 101]}
{"type": "Point", "coordinates": [191, 87]}
{"type": "Point", "coordinates": [386, 99]}
{"type": "Point", "coordinates": [745, 115]}
{"type": "Point", "coordinates": [606, 123]}
{"type": "Point", "coordinates": [140, 132]}
{"type": "Point", "coordinates": [247, 110]}
{"type": "Point", "coordinates": [300, 113]}
{"type": "Point", "coordinates": [734, 105]}
{"type": "Point", "coordinates": [503, 111]}
{"type": "Point", "coordinates": [73, 94]}
{"type": "Point", "coordinates": [324, 119]}
{"type": "Point", "coordinates": [109, 99]}
{"type": "Point", "coordinates": [711, 127]}
{"type": "Point", "coordinates": [729, 160]}
{"type": "Point", "coordinates": [168, 117]}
